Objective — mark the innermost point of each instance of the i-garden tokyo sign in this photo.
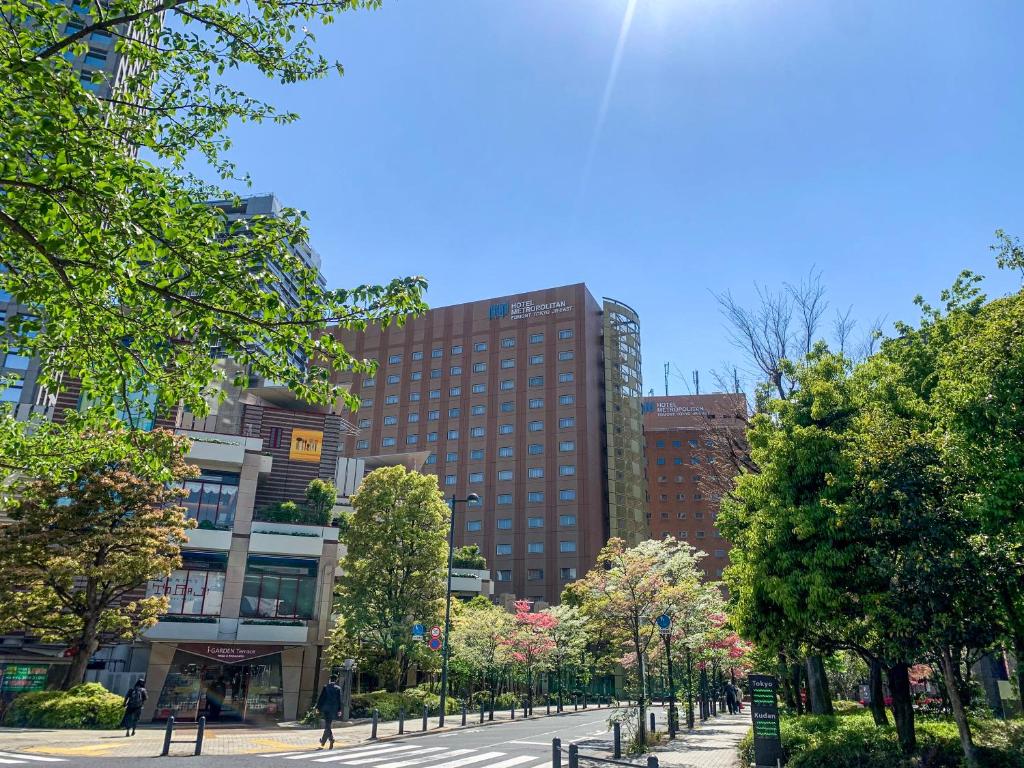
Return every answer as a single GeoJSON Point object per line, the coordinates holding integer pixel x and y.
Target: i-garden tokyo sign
{"type": "Point", "coordinates": [526, 308]}
{"type": "Point", "coordinates": [764, 712]}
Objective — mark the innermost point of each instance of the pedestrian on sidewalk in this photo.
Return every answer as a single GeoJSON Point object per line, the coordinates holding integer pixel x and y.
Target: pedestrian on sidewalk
{"type": "Point", "coordinates": [133, 701]}
{"type": "Point", "coordinates": [730, 698]}
{"type": "Point", "coordinates": [329, 705]}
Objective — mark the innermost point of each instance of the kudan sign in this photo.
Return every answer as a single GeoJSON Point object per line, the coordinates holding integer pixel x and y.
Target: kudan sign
{"type": "Point", "coordinates": [764, 711]}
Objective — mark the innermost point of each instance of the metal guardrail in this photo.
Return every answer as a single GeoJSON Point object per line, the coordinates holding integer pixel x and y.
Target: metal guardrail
{"type": "Point", "coordinates": [575, 757]}
{"type": "Point", "coordinates": [169, 737]}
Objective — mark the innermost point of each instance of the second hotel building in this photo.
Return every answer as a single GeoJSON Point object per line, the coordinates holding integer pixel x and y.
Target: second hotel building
{"type": "Point", "coordinates": [531, 401]}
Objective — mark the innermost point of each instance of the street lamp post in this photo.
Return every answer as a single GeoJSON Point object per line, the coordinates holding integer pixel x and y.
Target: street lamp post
{"type": "Point", "coordinates": [448, 601]}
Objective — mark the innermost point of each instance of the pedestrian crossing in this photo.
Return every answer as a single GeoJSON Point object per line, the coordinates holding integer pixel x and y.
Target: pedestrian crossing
{"type": "Point", "coordinates": [17, 758]}
{"type": "Point", "coordinates": [396, 755]}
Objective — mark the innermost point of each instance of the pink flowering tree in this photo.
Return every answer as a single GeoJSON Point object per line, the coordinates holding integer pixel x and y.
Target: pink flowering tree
{"type": "Point", "coordinates": [530, 643]}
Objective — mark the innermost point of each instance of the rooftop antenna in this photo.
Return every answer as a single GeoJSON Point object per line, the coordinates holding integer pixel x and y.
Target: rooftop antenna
{"type": "Point", "coordinates": [696, 381]}
{"type": "Point", "coordinates": [666, 379]}
{"type": "Point", "coordinates": [736, 380]}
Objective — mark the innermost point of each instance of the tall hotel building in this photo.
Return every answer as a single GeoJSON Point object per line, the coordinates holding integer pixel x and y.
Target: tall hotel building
{"type": "Point", "coordinates": [531, 401]}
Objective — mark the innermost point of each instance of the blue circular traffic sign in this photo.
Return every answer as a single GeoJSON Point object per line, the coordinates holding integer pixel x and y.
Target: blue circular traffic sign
{"type": "Point", "coordinates": [664, 621]}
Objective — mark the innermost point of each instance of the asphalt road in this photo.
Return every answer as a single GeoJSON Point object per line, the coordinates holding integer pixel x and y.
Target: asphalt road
{"type": "Point", "coordinates": [519, 744]}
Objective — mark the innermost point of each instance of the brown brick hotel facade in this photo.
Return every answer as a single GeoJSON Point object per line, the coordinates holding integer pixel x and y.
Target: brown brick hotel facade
{"type": "Point", "coordinates": [505, 398]}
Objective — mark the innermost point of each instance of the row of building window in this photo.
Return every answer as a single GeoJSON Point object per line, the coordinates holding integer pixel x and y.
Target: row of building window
{"type": "Point", "coordinates": [504, 452]}
{"type": "Point", "coordinates": [480, 366]}
{"type": "Point", "coordinates": [455, 413]}
{"type": "Point", "coordinates": [536, 574]}
{"type": "Point", "coordinates": [535, 548]}
{"type": "Point", "coordinates": [480, 409]}
{"type": "Point", "coordinates": [693, 443]}
{"type": "Point", "coordinates": [481, 346]}
{"type": "Point", "coordinates": [453, 434]}
{"type": "Point", "coordinates": [695, 497]}
{"type": "Point", "coordinates": [505, 523]}
{"type": "Point", "coordinates": [533, 497]}
{"type": "Point", "coordinates": [534, 473]}
{"type": "Point", "coordinates": [680, 478]}
{"type": "Point", "coordinates": [506, 385]}
{"type": "Point", "coordinates": [678, 460]}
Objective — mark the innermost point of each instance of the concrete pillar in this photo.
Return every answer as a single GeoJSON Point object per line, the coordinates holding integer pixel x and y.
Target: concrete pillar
{"type": "Point", "coordinates": [291, 675]}
{"type": "Point", "coordinates": [160, 657]}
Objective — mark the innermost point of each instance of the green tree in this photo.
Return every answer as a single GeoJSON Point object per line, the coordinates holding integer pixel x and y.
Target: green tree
{"type": "Point", "coordinates": [393, 572]}
{"type": "Point", "coordinates": [469, 557]}
{"type": "Point", "coordinates": [77, 549]}
{"type": "Point", "coordinates": [477, 637]}
{"type": "Point", "coordinates": [568, 632]}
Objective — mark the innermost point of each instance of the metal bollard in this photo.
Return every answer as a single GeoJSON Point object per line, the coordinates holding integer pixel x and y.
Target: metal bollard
{"type": "Point", "coordinates": [167, 737]}
{"type": "Point", "coordinates": [481, 713]}
{"type": "Point", "coordinates": [200, 733]}
{"type": "Point", "coordinates": [652, 762]}
{"type": "Point", "coordinates": [548, 702]}
{"type": "Point", "coordinates": [526, 708]}
{"type": "Point", "coordinates": [425, 717]}
{"type": "Point", "coordinates": [490, 714]}
{"type": "Point", "coordinates": [463, 714]}
{"type": "Point", "coordinates": [584, 700]}
{"type": "Point", "coordinates": [373, 725]}
{"type": "Point", "coordinates": [401, 722]}
{"type": "Point", "coordinates": [616, 740]}
{"type": "Point", "coordinates": [513, 710]}
{"type": "Point", "coordinates": [575, 703]}
{"type": "Point", "coordinates": [574, 756]}
{"type": "Point", "coordinates": [652, 722]}
{"type": "Point", "coordinates": [556, 753]}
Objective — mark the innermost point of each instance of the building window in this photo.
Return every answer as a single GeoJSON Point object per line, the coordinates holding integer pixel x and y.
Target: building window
{"type": "Point", "coordinates": [660, 461]}
{"type": "Point", "coordinates": [477, 454]}
{"type": "Point", "coordinates": [455, 370]}
{"type": "Point", "coordinates": [433, 415]}
{"type": "Point", "coordinates": [480, 346]}
{"type": "Point", "coordinates": [535, 548]}
{"type": "Point", "coordinates": [476, 477]}
{"type": "Point", "coordinates": [508, 407]}
{"type": "Point", "coordinates": [695, 459]}
{"type": "Point", "coordinates": [413, 418]}
{"type": "Point", "coordinates": [275, 433]}
{"type": "Point", "coordinates": [535, 496]}
{"type": "Point", "coordinates": [537, 402]}
{"type": "Point", "coordinates": [504, 474]}
{"type": "Point", "coordinates": [680, 497]}
{"type": "Point", "coordinates": [693, 443]}
{"type": "Point", "coordinates": [677, 443]}
{"type": "Point", "coordinates": [388, 442]}
{"type": "Point", "coordinates": [567, 574]}
{"type": "Point", "coordinates": [663, 497]}
{"type": "Point", "coordinates": [535, 449]}
{"type": "Point", "coordinates": [535, 473]}
{"type": "Point", "coordinates": [366, 403]}
{"type": "Point", "coordinates": [434, 394]}
{"type": "Point", "coordinates": [535, 574]}
{"type": "Point", "coordinates": [535, 522]}
{"type": "Point", "coordinates": [536, 338]}
{"type": "Point", "coordinates": [504, 523]}
{"type": "Point", "coordinates": [451, 456]}
{"type": "Point", "coordinates": [362, 445]}
{"type": "Point", "coordinates": [567, 546]}
{"type": "Point", "coordinates": [474, 526]}
{"type": "Point", "coordinates": [391, 400]}
{"type": "Point", "coordinates": [414, 397]}
{"type": "Point", "coordinates": [505, 452]}
{"type": "Point", "coordinates": [457, 349]}
{"type": "Point", "coordinates": [508, 362]}
{"type": "Point", "coordinates": [505, 429]}
{"type": "Point", "coordinates": [478, 410]}
{"type": "Point", "coordinates": [394, 359]}
{"type": "Point", "coordinates": [508, 342]}
{"type": "Point", "coordinates": [505, 575]}
{"type": "Point", "coordinates": [212, 498]}
{"type": "Point", "coordinates": [415, 375]}
{"type": "Point", "coordinates": [565, 333]}
{"type": "Point", "coordinates": [453, 434]}
{"type": "Point", "coordinates": [565, 470]}
{"type": "Point", "coordinates": [567, 494]}
{"type": "Point", "coordinates": [536, 426]}
{"type": "Point", "coordinates": [566, 399]}
{"type": "Point", "coordinates": [536, 359]}
{"type": "Point", "coordinates": [506, 385]}
{"type": "Point", "coordinates": [279, 587]}
{"type": "Point", "coordinates": [432, 437]}
{"type": "Point", "coordinates": [567, 521]}
{"type": "Point", "coordinates": [479, 367]}
{"type": "Point", "coordinates": [393, 378]}
{"type": "Point", "coordinates": [390, 421]}
{"type": "Point", "coordinates": [478, 389]}
{"type": "Point", "coordinates": [567, 422]}
{"type": "Point", "coordinates": [504, 499]}
{"type": "Point", "coordinates": [412, 439]}
{"type": "Point", "coordinates": [369, 383]}
{"type": "Point", "coordinates": [700, 534]}
{"type": "Point", "coordinates": [565, 355]}
{"type": "Point", "coordinates": [455, 392]}
{"type": "Point", "coordinates": [567, 446]}
{"type": "Point", "coordinates": [677, 460]}
{"type": "Point", "coordinates": [719, 553]}
{"type": "Point", "coordinates": [435, 353]}
{"type": "Point", "coordinates": [659, 443]}
{"type": "Point", "coordinates": [503, 549]}
{"type": "Point", "coordinates": [195, 589]}
{"type": "Point", "coordinates": [535, 381]}
{"type": "Point", "coordinates": [565, 378]}
{"type": "Point", "coordinates": [449, 479]}
{"type": "Point", "coordinates": [417, 355]}
{"type": "Point", "coordinates": [681, 515]}
{"type": "Point", "coordinates": [454, 413]}
{"type": "Point", "coordinates": [476, 431]}
{"type": "Point", "coordinates": [435, 373]}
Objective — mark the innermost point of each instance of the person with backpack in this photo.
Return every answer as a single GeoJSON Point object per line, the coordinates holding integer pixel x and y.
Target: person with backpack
{"type": "Point", "coordinates": [133, 701]}
{"type": "Point", "coordinates": [329, 705]}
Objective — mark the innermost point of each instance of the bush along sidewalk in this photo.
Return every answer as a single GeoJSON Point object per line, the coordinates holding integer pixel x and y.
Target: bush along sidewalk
{"type": "Point", "coordinates": [89, 705]}
{"type": "Point", "coordinates": [852, 740]}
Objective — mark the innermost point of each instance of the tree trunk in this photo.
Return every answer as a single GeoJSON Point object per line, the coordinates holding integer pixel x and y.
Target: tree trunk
{"type": "Point", "coordinates": [956, 704]}
{"type": "Point", "coordinates": [902, 706]}
{"type": "Point", "coordinates": [799, 700]}
{"type": "Point", "coordinates": [641, 733]}
{"type": "Point", "coordinates": [87, 645]}
{"type": "Point", "coordinates": [787, 689]}
{"type": "Point", "coordinates": [1018, 653]}
{"type": "Point", "coordinates": [876, 694]}
{"type": "Point", "coordinates": [819, 699]}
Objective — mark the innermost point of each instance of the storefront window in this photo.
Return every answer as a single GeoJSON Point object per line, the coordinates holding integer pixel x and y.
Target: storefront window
{"type": "Point", "coordinates": [279, 588]}
{"type": "Point", "coordinates": [195, 589]}
{"type": "Point", "coordinates": [221, 691]}
{"type": "Point", "coordinates": [212, 498]}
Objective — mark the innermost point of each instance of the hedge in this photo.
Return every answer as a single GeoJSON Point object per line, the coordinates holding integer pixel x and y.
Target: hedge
{"type": "Point", "coordinates": [89, 705]}
{"type": "Point", "coordinates": [412, 700]}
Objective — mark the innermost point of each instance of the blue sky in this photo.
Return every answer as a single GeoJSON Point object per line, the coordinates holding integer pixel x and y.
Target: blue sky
{"type": "Point", "coordinates": [743, 141]}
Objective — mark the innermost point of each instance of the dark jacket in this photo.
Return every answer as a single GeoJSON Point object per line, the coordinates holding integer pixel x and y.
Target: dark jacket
{"type": "Point", "coordinates": [330, 700]}
{"type": "Point", "coordinates": [128, 697]}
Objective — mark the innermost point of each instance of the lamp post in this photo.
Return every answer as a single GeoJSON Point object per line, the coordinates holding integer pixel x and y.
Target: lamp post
{"type": "Point", "coordinates": [448, 601]}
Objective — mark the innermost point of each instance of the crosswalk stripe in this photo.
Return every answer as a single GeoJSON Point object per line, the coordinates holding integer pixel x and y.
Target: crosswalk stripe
{"type": "Point", "coordinates": [285, 754]}
{"type": "Point", "coordinates": [418, 760]}
{"type": "Point", "coordinates": [513, 761]}
{"type": "Point", "coordinates": [37, 758]}
{"type": "Point", "coordinates": [353, 752]}
{"type": "Point", "coordinates": [346, 759]}
{"type": "Point", "coordinates": [470, 760]}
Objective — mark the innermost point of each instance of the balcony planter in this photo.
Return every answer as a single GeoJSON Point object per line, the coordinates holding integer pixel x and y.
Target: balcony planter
{"type": "Point", "coordinates": [290, 538]}
{"type": "Point", "coordinates": [259, 630]}
{"type": "Point", "coordinates": [203, 538]}
{"type": "Point", "coordinates": [173, 628]}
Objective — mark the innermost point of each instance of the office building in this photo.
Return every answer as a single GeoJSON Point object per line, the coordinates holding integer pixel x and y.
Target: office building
{"type": "Point", "coordinates": [688, 439]}
{"type": "Point", "coordinates": [531, 401]}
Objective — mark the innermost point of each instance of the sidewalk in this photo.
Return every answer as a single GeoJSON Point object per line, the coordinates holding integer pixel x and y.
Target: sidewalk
{"type": "Point", "coordinates": [711, 745]}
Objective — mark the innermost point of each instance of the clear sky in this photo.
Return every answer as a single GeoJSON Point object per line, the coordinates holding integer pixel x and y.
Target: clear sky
{"type": "Point", "coordinates": [485, 145]}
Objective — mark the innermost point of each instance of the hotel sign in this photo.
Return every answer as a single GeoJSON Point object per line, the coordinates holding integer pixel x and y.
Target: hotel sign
{"type": "Point", "coordinates": [526, 309]}
{"type": "Point", "coordinates": [669, 408]}
{"type": "Point", "coordinates": [306, 445]}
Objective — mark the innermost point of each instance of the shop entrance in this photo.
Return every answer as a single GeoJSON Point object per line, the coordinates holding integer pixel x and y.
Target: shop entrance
{"type": "Point", "coordinates": [222, 691]}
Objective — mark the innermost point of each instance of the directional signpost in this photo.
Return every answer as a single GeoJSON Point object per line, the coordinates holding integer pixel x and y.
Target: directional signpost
{"type": "Point", "coordinates": [764, 711]}
{"type": "Point", "coordinates": [665, 623]}
{"type": "Point", "coordinates": [418, 632]}
{"type": "Point", "coordinates": [665, 627]}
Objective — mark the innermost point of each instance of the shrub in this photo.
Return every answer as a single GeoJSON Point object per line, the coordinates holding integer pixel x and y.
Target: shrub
{"type": "Point", "coordinates": [412, 701]}
{"type": "Point", "coordinates": [89, 705]}
{"type": "Point", "coordinates": [847, 707]}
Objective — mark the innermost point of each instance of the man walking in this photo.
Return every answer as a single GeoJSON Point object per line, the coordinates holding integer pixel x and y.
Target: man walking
{"type": "Point", "coordinates": [329, 705]}
{"type": "Point", "coordinates": [730, 698]}
{"type": "Point", "coordinates": [133, 701]}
